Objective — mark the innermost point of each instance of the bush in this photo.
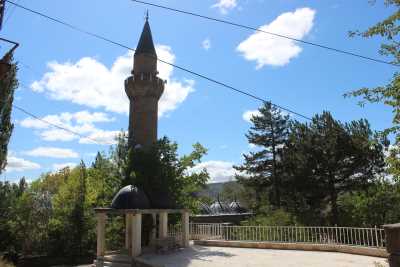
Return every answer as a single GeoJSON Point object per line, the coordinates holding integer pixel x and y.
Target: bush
{"type": "Point", "coordinates": [272, 218]}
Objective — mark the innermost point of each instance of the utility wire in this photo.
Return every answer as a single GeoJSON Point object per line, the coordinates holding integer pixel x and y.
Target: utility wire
{"type": "Point", "coordinates": [266, 32]}
{"type": "Point", "coordinates": [10, 13]}
{"type": "Point", "coordinates": [163, 61]}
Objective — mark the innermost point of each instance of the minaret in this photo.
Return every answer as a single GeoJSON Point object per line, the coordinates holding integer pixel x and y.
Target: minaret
{"type": "Point", "coordinates": [144, 88]}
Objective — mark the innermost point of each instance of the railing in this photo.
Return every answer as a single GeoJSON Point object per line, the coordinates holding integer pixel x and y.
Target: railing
{"type": "Point", "coordinates": [201, 231]}
{"type": "Point", "coordinates": [366, 237]}
{"type": "Point", "coordinates": [175, 231]}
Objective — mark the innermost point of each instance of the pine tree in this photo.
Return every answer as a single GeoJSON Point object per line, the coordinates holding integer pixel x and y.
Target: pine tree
{"type": "Point", "coordinates": [8, 84]}
{"type": "Point", "coordinates": [326, 158]}
{"type": "Point", "coordinates": [262, 169]}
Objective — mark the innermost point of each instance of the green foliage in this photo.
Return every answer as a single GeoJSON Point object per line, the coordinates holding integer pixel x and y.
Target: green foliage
{"type": "Point", "coordinates": [326, 158]}
{"type": "Point", "coordinates": [376, 206]}
{"type": "Point", "coordinates": [313, 165]}
{"type": "Point", "coordinates": [54, 215]}
{"type": "Point", "coordinates": [388, 94]}
{"type": "Point", "coordinates": [262, 170]}
{"type": "Point", "coordinates": [8, 84]}
{"type": "Point", "coordinates": [159, 171]}
{"type": "Point", "coordinates": [278, 217]}
{"type": "Point", "coordinates": [9, 195]}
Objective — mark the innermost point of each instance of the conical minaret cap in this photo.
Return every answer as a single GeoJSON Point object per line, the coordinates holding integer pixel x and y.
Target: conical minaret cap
{"type": "Point", "coordinates": [146, 44]}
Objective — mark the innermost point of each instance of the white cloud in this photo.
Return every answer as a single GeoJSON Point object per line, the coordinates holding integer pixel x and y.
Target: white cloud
{"type": "Point", "coordinates": [15, 164]}
{"type": "Point", "coordinates": [247, 115]}
{"type": "Point", "coordinates": [101, 136]}
{"type": "Point", "coordinates": [206, 44]}
{"type": "Point", "coordinates": [53, 135]}
{"type": "Point", "coordinates": [220, 171]}
{"type": "Point", "coordinates": [90, 83]}
{"type": "Point", "coordinates": [225, 6]}
{"type": "Point", "coordinates": [60, 166]}
{"type": "Point", "coordinates": [266, 49]}
{"type": "Point", "coordinates": [52, 152]}
{"type": "Point", "coordinates": [252, 146]}
{"type": "Point", "coordinates": [81, 122]}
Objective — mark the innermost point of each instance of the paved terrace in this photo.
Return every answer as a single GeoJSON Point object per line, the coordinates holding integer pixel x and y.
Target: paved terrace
{"type": "Point", "coordinates": [198, 256]}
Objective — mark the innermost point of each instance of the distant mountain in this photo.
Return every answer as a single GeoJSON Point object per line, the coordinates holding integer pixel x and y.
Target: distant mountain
{"type": "Point", "coordinates": [212, 190]}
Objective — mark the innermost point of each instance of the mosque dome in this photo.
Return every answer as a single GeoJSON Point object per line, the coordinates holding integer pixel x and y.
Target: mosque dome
{"type": "Point", "coordinates": [130, 197]}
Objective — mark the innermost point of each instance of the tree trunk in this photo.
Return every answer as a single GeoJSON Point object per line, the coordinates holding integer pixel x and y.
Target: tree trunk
{"type": "Point", "coordinates": [258, 198]}
{"type": "Point", "coordinates": [274, 173]}
{"type": "Point", "coordinates": [333, 199]}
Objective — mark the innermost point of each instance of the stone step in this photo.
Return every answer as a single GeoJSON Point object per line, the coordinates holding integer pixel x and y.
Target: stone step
{"type": "Point", "coordinates": [113, 264]}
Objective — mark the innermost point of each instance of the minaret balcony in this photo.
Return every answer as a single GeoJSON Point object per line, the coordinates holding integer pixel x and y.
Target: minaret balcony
{"type": "Point", "coordinates": [144, 86]}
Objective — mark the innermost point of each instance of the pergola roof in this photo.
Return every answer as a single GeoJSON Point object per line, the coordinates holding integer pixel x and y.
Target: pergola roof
{"type": "Point", "coordinates": [138, 211]}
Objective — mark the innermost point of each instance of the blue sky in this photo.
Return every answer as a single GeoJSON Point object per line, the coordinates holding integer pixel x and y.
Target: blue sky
{"type": "Point", "coordinates": [75, 80]}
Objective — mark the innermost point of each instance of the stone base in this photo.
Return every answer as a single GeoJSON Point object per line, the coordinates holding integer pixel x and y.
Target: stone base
{"type": "Point", "coordinates": [118, 260]}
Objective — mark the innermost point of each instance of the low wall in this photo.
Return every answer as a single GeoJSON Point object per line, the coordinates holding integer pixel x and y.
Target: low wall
{"type": "Point", "coordinates": [374, 252]}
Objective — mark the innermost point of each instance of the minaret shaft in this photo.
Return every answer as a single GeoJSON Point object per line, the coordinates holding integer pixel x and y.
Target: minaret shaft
{"type": "Point", "coordinates": [144, 89]}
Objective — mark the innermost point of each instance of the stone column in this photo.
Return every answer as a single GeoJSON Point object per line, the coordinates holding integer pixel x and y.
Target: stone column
{"type": "Point", "coordinates": [136, 224]}
{"type": "Point", "coordinates": [392, 232]}
{"type": "Point", "coordinates": [153, 235]}
{"type": "Point", "coordinates": [128, 231]}
{"type": "Point", "coordinates": [185, 229]}
{"type": "Point", "coordinates": [163, 225]}
{"type": "Point", "coordinates": [101, 232]}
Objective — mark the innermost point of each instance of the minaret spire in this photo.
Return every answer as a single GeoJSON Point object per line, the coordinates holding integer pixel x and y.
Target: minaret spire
{"type": "Point", "coordinates": [146, 44]}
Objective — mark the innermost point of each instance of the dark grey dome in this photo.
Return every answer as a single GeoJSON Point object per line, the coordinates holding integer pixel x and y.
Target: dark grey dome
{"type": "Point", "coordinates": [237, 208]}
{"type": "Point", "coordinates": [219, 207]}
{"type": "Point", "coordinates": [130, 197]}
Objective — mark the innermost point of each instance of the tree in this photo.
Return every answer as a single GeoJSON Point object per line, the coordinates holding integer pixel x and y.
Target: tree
{"type": "Point", "coordinates": [326, 158]}
{"type": "Point", "coordinates": [164, 176]}
{"type": "Point", "coordinates": [8, 84]}
{"type": "Point", "coordinates": [376, 206]}
{"type": "Point", "coordinates": [105, 177]}
{"type": "Point", "coordinates": [262, 169]}
{"type": "Point", "coordinates": [9, 194]}
{"type": "Point", "coordinates": [388, 94]}
{"type": "Point", "coordinates": [78, 212]}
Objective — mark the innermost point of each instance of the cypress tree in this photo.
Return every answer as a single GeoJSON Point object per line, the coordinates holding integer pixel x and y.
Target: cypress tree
{"type": "Point", "coordinates": [8, 84]}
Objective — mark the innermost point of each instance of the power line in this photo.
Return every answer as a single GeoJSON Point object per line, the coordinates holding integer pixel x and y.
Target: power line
{"type": "Point", "coordinates": [10, 13]}
{"type": "Point", "coordinates": [267, 32]}
{"type": "Point", "coordinates": [163, 61]}
{"type": "Point", "coordinates": [57, 126]}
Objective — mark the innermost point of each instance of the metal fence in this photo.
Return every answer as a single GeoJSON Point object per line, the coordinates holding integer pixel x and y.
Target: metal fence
{"type": "Point", "coordinates": [366, 237]}
{"type": "Point", "coordinates": [175, 231]}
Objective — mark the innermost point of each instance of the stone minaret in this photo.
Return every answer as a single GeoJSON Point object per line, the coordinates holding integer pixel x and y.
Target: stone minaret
{"type": "Point", "coordinates": [144, 88]}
